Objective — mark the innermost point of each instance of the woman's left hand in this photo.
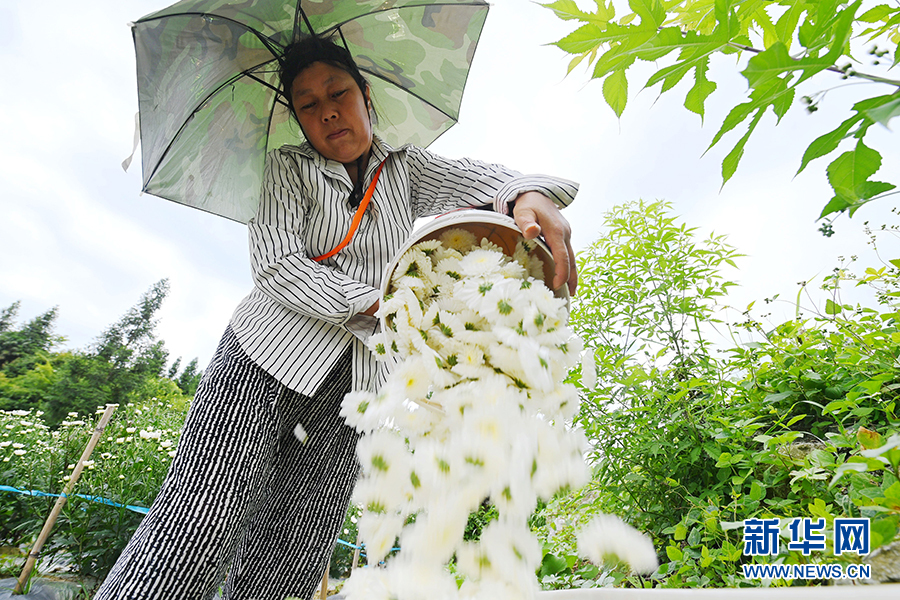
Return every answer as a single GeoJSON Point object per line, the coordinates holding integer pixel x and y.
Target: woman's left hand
{"type": "Point", "coordinates": [535, 214]}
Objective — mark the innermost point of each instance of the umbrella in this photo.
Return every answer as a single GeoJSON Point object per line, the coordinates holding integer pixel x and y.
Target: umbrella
{"type": "Point", "coordinates": [208, 85]}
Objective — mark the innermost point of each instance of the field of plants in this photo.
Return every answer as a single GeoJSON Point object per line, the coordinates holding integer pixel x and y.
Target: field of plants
{"type": "Point", "coordinates": [698, 416]}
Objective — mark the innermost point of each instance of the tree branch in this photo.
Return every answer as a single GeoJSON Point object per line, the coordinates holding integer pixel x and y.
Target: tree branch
{"type": "Point", "coordinates": [833, 69]}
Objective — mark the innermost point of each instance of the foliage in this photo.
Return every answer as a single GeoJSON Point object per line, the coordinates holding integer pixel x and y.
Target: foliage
{"type": "Point", "coordinates": [794, 420]}
{"type": "Point", "coordinates": [789, 42]}
{"type": "Point", "coordinates": [18, 347]}
{"type": "Point", "coordinates": [127, 467]}
{"type": "Point", "coordinates": [125, 364]}
{"type": "Point", "coordinates": [342, 558]}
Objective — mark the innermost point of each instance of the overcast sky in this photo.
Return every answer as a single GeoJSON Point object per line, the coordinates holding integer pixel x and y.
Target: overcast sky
{"type": "Point", "coordinates": [76, 232]}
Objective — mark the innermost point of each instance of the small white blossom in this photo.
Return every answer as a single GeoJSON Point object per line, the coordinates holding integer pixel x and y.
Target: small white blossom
{"type": "Point", "coordinates": [609, 535]}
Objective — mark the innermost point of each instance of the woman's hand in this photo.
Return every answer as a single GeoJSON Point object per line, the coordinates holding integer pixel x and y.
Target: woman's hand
{"type": "Point", "coordinates": [535, 213]}
{"type": "Point", "coordinates": [371, 310]}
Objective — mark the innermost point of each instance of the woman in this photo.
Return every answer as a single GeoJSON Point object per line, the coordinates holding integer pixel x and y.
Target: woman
{"type": "Point", "coordinates": [265, 466]}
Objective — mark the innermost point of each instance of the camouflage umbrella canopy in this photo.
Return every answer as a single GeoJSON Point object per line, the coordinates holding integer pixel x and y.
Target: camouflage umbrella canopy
{"type": "Point", "coordinates": [207, 84]}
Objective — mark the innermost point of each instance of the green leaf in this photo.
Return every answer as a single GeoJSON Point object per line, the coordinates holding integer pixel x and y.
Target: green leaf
{"type": "Point", "coordinates": [778, 397]}
{"type": "Point", "coordinates": [696, 97]}
{"type": "Point", "coordinates": [552, 564]}
{"type": "Point", "coordinates": [868, 191]}
{"type": "Point", "coordinates": [757, 491]}
{"type": "Point", "coordinates": [884, 113]}
{"type": "Point", "coordinates": [831, 308]}
{"type": "Point", "coordinates": [761, 97]}
{"type": "Point", "coordinates": [878, 13]}
{"type": "Point", "coordinates": [782, 103]}
{"type": "Point", "coordinates": [730, 163]}
{"type": "Point", "coordinates": [680, 532]}
{"type": "Point", "coordinates": [694, 537]}
{"type": "Point", "coordinates": [615, 91]}
{"type": "Point", "coordinates": [851, 169]}
{"type": "Point", "coordinates": [651, 12]}
{"type": "Point", "coordinates": [775, 61]}
{"type": "Point", "coordinates": [674, 553]}
{"type": "Point", "coordinates": [567, 10]}
{"type": "Point", "coordinates": [787, 23]}
{"type": "Point", "coordinates": [584, 39]}
{"type": "Point", "coordinates": [827, 143]}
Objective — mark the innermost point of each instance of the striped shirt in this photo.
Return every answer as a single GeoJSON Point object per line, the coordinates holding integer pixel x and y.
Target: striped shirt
{"type": "Point", "coordinates": [302, 314]}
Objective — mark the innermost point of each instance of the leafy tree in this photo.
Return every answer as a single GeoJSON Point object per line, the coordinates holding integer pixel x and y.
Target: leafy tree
{"type": "Point", "coordinates": [189, 378]}
{"type": "Point", "coordinates": [788, 43]}
{"type": "Point", "coordinates": [8, 316]}
{"type": "Point", "coordinates": [122, 359]}
{"type": "Point", "coordinates": [18, 347]}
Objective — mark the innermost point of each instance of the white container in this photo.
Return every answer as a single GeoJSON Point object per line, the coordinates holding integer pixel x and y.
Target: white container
{"type": "Point", "coordinates": [496, 228]}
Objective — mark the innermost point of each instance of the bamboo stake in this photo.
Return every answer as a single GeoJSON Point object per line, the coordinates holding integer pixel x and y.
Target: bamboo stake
{"type": "Point", "coordinates": [324, 592]}
{"type": "Point", "coordinates": [60, 502]}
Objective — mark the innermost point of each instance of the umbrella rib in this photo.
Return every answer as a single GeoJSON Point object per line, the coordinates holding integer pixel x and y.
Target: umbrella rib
{"type": "Point", "coordinates": [410, 92]}
{"type": "Point", "coordinates": [337, 27]}
{"type": "Point", "coordinates": [196, 108]}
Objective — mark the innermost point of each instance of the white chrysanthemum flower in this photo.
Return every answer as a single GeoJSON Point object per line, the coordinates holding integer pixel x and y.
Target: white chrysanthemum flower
{"type": "Point", "coordinates": [459, 240]}
{"type": "Point", "coordinates": [379, 531]}
{"type": "Point", "coordinates": [369, 583]}
{"type": "Point", "coordinates": [445, 252]}
{"type": "Point", "coordinates": [418, 285]}
{"type": "Point", "coordinates": [441, 286]}
{"type": "Point", "coordinates": [469, 362]}
{"type": "Point", "coordinates": [411, 379]}
{"type": "Point", "coordinates": [503, 303]}
{"type": "Point", "coordinates": [487, 244]}
{"type": "Point", "coordinates": [481, 263]}
{"type": "Point", "coordinates": [513, 270]}
{"type": "Point", "coordinates": [511, 549]}
{"type": "Point", "coordinates": [381, 345]}
{"type": "Point", "coordinates": [414, 263]}
{"type": "Point", "coordinates": [588, 370]}
{"type": "Point", "coordinates": [434, 536]}
{"type": "Point", "coordinates": [560, 463]}
{"type": "Point", "coordinates": [450, 266]}
{"type": "Point", "coordinates": [377, 494]}
{"type": "Point", "coordinates": [609, 535]}
{"type": "Point", "coordinates": [385, 452]}
{"type": "Point", "coordinates": [410, 579]}
{"type": "Point", "coordinates": [429, 247]}
{"type": "Point", "coordinates": [417, 420]}
{"type": "Point", "coordinates": [479, 400]}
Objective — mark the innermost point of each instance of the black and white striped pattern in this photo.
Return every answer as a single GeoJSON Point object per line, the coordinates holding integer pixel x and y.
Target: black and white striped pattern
{"type": "Point", "coordinates": [306, 313]}
{"type": "Point", "coordinates": [243, 488]}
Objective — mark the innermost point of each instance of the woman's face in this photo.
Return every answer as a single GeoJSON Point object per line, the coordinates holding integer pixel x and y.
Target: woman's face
{"type": "Point", "coordinates": [333, 112]}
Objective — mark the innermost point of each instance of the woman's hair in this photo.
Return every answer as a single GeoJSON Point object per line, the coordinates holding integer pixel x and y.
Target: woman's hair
{"type": "Point", "coordinates": [301, 54]}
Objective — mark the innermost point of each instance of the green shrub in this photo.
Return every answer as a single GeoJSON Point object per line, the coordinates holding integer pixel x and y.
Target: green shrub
{"type": "Point", "coordinates": [689, 440]}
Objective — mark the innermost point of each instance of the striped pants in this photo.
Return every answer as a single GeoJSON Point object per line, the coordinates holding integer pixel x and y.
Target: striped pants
{"type": "Point", "coordinates": [243, 495]}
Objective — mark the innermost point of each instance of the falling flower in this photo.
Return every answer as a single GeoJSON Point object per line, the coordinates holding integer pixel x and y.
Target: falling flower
{"type": "Point", "coordinates": [588, 370]}
{"type": "Point", "coordinates": [609, 535]}
{"type": "Point", "coordinates": [476, 409]}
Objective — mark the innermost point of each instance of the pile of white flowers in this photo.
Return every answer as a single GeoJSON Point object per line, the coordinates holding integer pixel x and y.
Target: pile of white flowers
{"type": "Point", "coordinates": [474, 411]}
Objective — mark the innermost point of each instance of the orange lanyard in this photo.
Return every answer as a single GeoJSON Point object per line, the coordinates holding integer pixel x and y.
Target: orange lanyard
{"type": "Point", "coordinates": [357, 218]}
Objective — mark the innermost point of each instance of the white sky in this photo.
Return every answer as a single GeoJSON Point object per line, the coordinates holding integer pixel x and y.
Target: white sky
{"type": "Point", "coordinates": [75, 231]}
